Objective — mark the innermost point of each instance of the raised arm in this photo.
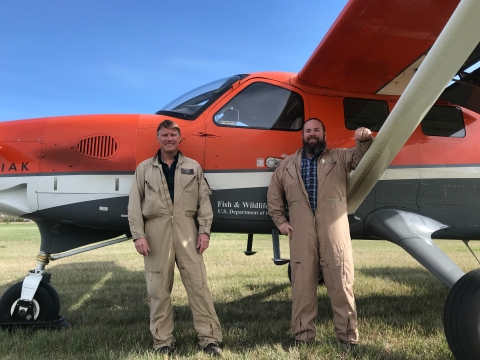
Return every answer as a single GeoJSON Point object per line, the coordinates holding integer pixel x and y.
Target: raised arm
{"type": "Point", "coordinates": [364, 139]}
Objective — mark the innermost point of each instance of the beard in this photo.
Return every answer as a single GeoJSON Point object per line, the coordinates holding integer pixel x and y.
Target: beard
{"type": "Point", "coordinates": [314, 149]}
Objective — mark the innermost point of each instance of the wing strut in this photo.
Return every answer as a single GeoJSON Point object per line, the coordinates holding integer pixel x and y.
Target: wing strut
{"type": "Point", "coordinates": [455, 43]}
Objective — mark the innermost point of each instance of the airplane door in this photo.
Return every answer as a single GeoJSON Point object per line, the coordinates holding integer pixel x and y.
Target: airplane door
{"type": "Point", "coordinates": [247, 134]}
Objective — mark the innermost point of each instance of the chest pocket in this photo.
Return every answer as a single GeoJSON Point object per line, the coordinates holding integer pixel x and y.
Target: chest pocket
{"type": "Point", "coordinates": [149, 187]}
{"type": "Point", "coordinates": [189, 185]}
{"type": "Point", "coordinates": [334, 180]}
{"type": "Point", "coordinates": [293, 186]}
{"type": "Point", "coordinates": [325, 166]}
{"type": "Point", "coordinates": [153, 204]}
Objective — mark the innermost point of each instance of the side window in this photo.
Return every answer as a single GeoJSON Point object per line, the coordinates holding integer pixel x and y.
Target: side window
{"type": "Point", "coordinates": [263, 106]}
{"type": "Point", "coordinates": [363, 112]}
{"type": "Point", "coordinates": [444, 121]}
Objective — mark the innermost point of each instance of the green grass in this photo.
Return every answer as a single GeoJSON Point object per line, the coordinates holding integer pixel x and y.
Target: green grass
{"type": "Point", "coordinates": [103, 296]}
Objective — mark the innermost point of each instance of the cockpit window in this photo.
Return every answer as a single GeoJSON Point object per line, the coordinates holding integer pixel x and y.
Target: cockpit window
{"type": "Point", "coordinates": [263, 106]}
{"type": "Point", "coordinates": [190, 105]}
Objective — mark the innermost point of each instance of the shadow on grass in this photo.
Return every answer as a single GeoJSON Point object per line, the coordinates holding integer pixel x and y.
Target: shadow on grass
{"type": "Point", "coordinates": [421, 306]}
{"type": "Point", "coordinates": [106, 305]}
{"type": "Point", "coordinates": [402, 275]}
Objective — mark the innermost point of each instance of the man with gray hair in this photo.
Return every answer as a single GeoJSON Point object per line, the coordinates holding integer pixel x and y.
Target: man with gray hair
{"type": "Point", "coordinates": [169, 195]}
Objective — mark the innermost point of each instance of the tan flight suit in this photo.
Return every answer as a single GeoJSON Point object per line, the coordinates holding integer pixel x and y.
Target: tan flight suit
{"type": "Point", "coordinates": [171, 233]}
{"type": "Point", "coordinates": [319, 240]}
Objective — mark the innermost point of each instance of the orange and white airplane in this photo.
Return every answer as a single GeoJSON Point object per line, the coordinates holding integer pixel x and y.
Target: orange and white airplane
{"type": "Point", "coordinates": [382, 65]}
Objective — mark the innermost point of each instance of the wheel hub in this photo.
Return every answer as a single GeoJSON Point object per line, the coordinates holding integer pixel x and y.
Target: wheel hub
{"type": "Point", "coordinates": [24, 310]}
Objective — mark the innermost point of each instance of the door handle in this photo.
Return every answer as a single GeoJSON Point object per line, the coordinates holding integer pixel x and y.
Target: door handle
{"type": "Point", "coordinates": [206, 134]}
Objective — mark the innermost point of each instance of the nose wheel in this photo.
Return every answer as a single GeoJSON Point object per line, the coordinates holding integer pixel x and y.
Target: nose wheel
{"type": "Point", "coordinates": [43, 309]}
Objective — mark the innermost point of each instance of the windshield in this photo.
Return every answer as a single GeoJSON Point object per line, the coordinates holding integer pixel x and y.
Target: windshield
{"type": "Point", "coordinates": [190, 105]}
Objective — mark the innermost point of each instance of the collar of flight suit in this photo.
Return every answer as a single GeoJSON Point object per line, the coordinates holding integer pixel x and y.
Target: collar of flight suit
{"type": "Point", "coordinates": [156, 163]}
{"type": "Point", "coordinates": [180, 160]}
{"type": "Point", "coordinates": [293, 167]}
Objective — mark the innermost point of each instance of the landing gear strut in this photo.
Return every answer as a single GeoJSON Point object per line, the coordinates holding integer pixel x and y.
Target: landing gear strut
{"type": "Point", "coordinates": [32, 302]}
{"type": "Point", "coordinates": [44, 307]}
{"type": "Point", "coordinates": [277, 259]}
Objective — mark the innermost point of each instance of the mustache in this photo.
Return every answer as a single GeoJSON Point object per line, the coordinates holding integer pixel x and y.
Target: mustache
{"type": "Point", "coordinates": [314, 149]}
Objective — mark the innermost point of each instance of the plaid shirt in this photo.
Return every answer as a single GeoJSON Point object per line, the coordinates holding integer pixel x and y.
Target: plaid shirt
{"type": "Point", "coordinates": [169, 173]}
{"type": "Point", "coordinates": [308, 169]}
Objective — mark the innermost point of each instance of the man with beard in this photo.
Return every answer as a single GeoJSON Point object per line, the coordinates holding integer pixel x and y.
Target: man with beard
{"type": "Point", "coordinates": [314, 183]}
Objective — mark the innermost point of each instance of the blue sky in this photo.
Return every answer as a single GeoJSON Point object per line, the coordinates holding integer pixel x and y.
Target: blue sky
{"type": "Point", "coordinates": [63, 57]}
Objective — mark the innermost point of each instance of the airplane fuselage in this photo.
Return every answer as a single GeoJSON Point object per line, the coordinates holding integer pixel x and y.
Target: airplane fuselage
{"type": "Point", "coordinates": [73, 174]}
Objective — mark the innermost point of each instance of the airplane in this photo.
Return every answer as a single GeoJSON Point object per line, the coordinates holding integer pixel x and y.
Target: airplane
{"type": "Point", "coordinates": [385, 65]}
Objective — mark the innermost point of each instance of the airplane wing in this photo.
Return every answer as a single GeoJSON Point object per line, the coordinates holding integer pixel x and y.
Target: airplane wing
{"type": "Point", "coordinates": [465, 91]}
{"type": "Point", "coordinates": [375, 46]}
{"type": "Point", "coordinates": [453, 47]}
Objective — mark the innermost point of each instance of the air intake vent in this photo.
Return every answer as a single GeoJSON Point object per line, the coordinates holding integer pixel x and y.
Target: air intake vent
{"type": "Point", "coordinates": [98, 147]}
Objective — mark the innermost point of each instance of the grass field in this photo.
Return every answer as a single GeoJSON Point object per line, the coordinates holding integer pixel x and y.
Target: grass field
{"type": "Point", "coordinates": [103, 296]}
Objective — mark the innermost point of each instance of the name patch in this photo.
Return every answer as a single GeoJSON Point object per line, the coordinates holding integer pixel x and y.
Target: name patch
{"type": "Point", "coordinates": [327, 161]}
{"type": "Point", "coordinates": [187, 171]}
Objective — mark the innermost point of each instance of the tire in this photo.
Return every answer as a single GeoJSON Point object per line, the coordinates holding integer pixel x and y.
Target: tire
{"type": "Point", "coordinates": [54, 295]}
{"type": "Point", "coordinates": [320, 276]}
{"type": "Point", "coordinates": [46, 303]}
{"type": "Point", "coordinates": [461, 317]}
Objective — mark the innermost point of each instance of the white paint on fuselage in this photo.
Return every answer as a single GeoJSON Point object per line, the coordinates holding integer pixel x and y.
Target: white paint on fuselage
{"type": "Point", "coordinates": [20, 195]}
{"type": "Point", "coordinates": [238, 180]}
{"type": "Point", "coordinates": [71, 189]}
{"type": "Point", "coordinates": [85, 184]}
{"type": "Point", "coordinates": [14, 199]}
{"type": "Point", "coordinates": [450, 172]}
